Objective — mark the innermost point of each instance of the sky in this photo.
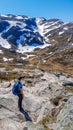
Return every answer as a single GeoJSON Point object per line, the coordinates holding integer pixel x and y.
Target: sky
{"type": "Point", "coordinates": [61, 9]}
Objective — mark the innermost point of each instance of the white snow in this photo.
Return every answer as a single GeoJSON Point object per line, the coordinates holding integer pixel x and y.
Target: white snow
{"type": "Point", "coordinates": [72, 44]}
{"type": "Point", "coordinates": [1, 52]}
{"type": "Point", "coordinates": [22, 49]}
{"type": "Point", "coordinates": [61, 32]}
{"type": "Point", "coordinates": [19, 17]}
{"type": "Point", "coordinates": [4, 43]}
{"type": "Point", "coordinates": [65, 28]}
{"type": "Point", "coordinates": [50, 53]}
{"type": "Point", "coordinates": [47, 27]}
{"type": "Point", "coordinates": [51, 28]}
{"type": "Point", "coordinates": [49, 35]}
{"type": "Point", "coordinates": [3, 15]}
{"type": "Point", "coordinates": [14, 23]}
{"type": "Point", "coordinates": [10, 59]}
{"type": "Point", "coordinates": [6, 59]}
{"type": "Point", "coordinates": [40, 26]}
{"type": "Point", "coordinates": [23, 58]}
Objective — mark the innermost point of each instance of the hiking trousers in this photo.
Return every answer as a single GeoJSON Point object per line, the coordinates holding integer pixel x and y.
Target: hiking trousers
{"type": "Point", "coordinates": [20, 98]}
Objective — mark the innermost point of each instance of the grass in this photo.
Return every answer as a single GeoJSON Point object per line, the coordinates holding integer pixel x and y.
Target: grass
{"type": "Point", "coordinates": [8, 76]}
{"type": "Point", "coordinates": [48, 119]}
{"type": "Point", "coordinates": [70, 89]}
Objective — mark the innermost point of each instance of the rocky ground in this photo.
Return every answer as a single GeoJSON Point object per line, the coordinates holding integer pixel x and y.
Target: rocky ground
{"type": "Point", "coordinates": [48, 98]}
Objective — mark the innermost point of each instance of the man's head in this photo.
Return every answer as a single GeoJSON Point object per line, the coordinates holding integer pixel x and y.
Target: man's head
{"type": "Point", "coordinates": [20, 78]}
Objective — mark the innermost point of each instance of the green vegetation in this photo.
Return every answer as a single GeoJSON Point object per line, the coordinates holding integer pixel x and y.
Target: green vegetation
{"type": "Point", "coordinates": [70, 89]}
{"type": "Point", "coordinates": [48, 119]}
{"type": "Point", "coordinates": [8, 76]}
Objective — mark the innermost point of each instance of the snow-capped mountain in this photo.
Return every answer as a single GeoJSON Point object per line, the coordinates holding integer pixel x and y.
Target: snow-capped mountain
{"type": "Point", "coordinates": [24, 32]}
{"type": "Point", "coordinates": [35, 43]}
{"type": "Point", "coordinates": [19, 31]}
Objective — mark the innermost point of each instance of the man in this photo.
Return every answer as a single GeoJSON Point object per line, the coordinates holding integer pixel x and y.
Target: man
{"type": "Point", "coordinates": [20, 98]}
{"type": "Point", "coordinates": [20, 93]}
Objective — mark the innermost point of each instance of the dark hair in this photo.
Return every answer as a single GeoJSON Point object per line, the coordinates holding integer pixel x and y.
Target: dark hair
{"type": "Point", "coordinates": [19, 78]}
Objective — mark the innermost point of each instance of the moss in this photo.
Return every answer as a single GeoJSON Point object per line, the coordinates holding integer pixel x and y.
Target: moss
{"type": "Point", "coordinates": [48, 119]}
{"type": "Point", "coordinates": [70, 89]}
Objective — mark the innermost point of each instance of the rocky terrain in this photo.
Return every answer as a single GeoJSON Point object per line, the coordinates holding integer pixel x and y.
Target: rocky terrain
{"type": "Point", "coordinates": [42, 51]}
{"type": "Point", "coordinates": [48, 98]}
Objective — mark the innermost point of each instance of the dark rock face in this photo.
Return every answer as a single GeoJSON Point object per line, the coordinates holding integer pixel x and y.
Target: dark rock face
{"type": "Point", "coordinates": [3, 25]}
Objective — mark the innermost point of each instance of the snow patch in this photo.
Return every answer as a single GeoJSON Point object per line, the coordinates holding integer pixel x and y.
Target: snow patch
{"type": "Point", "coordinates": [3, 15]}
{"type": "Point", "coordinates": [19, 17]}
{"type": "Point", "coordinates": [1, 52]}
{"type": "Point", "coordinates": [6, 59]}
{"type": "Point", "coordinates": [23, 58]}
{"type": "Point", "coordinates": [61, 32]}
{"type": "Point", "coordinates": [4, 43]}
{"type": "Point", "coordinates": [14, 23]}
{"type": "Point", "coordinates": [22, 49]}
{"type": "Point", "coordinates": [65, 28]}
{"type": "Point", "coordinates": [40, 26]}
{"type": "Point", "coordinates": [50, 53]}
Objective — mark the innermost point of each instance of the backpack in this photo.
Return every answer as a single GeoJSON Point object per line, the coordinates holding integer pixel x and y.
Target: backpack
{"type": "Point", "coordinates": [15, 89]}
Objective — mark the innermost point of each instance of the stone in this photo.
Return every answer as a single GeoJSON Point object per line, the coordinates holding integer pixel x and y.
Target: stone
{"type": "Point", "coordinates": [32, 126]}
{"type": "Point", "coordinates": [65, 117]}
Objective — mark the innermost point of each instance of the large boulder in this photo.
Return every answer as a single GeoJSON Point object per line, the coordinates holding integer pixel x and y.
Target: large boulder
{"type": "Point", "coordinates": [10, 117]}
{"type": "Point", "coordinates": [65, 117]}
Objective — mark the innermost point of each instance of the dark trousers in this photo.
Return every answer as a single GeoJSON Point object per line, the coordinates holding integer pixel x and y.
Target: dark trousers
{"type": "Point", "coordinates": [20, 98]}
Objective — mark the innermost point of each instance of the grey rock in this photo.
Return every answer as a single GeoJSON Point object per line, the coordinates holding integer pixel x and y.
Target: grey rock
{"type": "Point", "coordinates": [67, 83]}
{"type": "Point", "coordinates": [65, 117]}
{"type": "Point", "coordinates": [32, 126]}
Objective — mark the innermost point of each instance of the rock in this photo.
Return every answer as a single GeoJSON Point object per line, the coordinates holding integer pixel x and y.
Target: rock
{"type": "Point", "coordinates": [10, 117]}
{"type": "Point", "coordinates": [11, 124]}
{"type": "Point", "coordinates": [67, 83]}
{"type": "Point", "coordinates": [32, 126]}
{"type": "Point", "coordinates": [58, 74]}
{"type": "Point", "coordinates": [65, 117]}
{"type": "Point", "coordinates": [45, 97]}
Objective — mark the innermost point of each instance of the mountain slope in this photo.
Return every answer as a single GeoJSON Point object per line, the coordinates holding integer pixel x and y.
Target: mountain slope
{"type": "Point", "coordinates": [51, 40]}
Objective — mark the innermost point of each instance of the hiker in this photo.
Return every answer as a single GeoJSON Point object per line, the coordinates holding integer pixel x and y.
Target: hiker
{"type": "Point", "coordinates": [20, 98]}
